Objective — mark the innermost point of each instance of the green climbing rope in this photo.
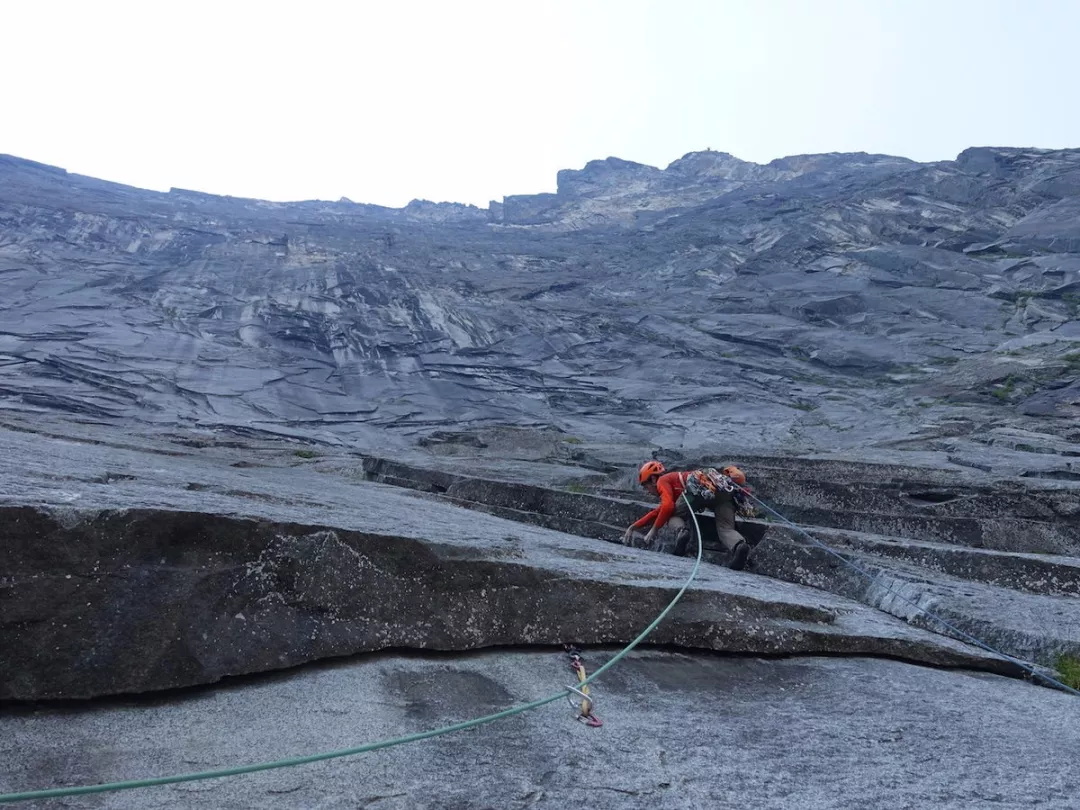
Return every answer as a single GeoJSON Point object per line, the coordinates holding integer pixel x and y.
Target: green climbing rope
{"type": "Point", "coordinates": [80, 790]}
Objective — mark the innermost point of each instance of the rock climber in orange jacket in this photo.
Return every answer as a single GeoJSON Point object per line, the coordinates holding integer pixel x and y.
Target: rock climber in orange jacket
{"type": "Point", "coordinates": [673, 508]}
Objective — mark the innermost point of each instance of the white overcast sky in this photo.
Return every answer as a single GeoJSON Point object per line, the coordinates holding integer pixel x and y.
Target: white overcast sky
{"type": "Point", "coordinates": [467, 101]}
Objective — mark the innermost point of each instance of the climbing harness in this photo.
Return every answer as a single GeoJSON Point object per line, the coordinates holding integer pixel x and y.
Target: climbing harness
{"type": "Point", "coordinates": [705, 484]}
{"type": "Point", "coordinates": [585, 707]}
{"type": "Point", "coordinates": [7, 798]}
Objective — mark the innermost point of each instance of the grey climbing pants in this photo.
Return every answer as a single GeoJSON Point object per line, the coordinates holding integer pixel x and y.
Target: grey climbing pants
{"type": "Point", "coordinates": [724, 511]}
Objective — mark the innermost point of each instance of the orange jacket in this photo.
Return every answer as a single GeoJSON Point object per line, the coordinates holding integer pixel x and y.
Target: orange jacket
{"type": "Point", "coordinates": [670, 486]}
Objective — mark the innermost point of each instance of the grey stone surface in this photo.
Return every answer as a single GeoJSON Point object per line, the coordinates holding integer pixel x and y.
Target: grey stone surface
{"type": "Point", "coordinates": [126, 570]}
{"type": "Point", "coordinates": [1033, 626]}
{"type": "Point", "coordinates": [891, 348]}
{"type": "Point", "coordinates": [820, 303]}
{"type": "Point", "coordinates": [1031, 573]}
{"type": "Point", "coordinates": [1010, 595]}
{"type": "Point", "coordinates": [680, 731]}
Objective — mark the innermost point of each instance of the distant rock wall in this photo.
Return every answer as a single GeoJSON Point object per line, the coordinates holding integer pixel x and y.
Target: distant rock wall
{"type": "Point", "coordinates": [819, 302]}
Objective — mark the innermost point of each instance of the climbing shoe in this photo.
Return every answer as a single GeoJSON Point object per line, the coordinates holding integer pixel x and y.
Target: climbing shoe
{"type": "Point", "coordinates": [739, 555]}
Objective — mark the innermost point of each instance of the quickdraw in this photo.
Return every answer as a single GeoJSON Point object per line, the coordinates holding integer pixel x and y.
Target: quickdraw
{"type": "Point", "coordinates": [720, 480]}
{"type": "Point", "coordinates": [585, 707]}
{"type": "Point", "coordinates": [704, 484]}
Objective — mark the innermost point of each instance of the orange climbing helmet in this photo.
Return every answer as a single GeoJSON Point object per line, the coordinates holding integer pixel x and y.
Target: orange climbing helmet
{"type": "Point", "coordinates": [650, 470]}
{"type": "Point", "coordinates": [735, 474]}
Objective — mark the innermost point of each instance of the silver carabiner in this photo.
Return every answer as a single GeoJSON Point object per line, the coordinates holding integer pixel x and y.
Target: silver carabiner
{"type": "Point", "coordinates": [584, 697]}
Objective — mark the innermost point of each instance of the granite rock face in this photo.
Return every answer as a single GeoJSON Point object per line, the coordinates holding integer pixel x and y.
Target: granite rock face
{"type": "Point", "coordinates": [133, 564]}
{"type": "Point", "coordinates": [823, 303]}
{"type": "Point", "coordinates": [244, 436]}
{"type": "Point", "coordinates": [681, 731]}
{"type": "Point", "coordinates": [973, 560]}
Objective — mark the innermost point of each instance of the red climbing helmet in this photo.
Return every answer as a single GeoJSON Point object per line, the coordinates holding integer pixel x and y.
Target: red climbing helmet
{"type": "Point", "coordinates": [650, 470]}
